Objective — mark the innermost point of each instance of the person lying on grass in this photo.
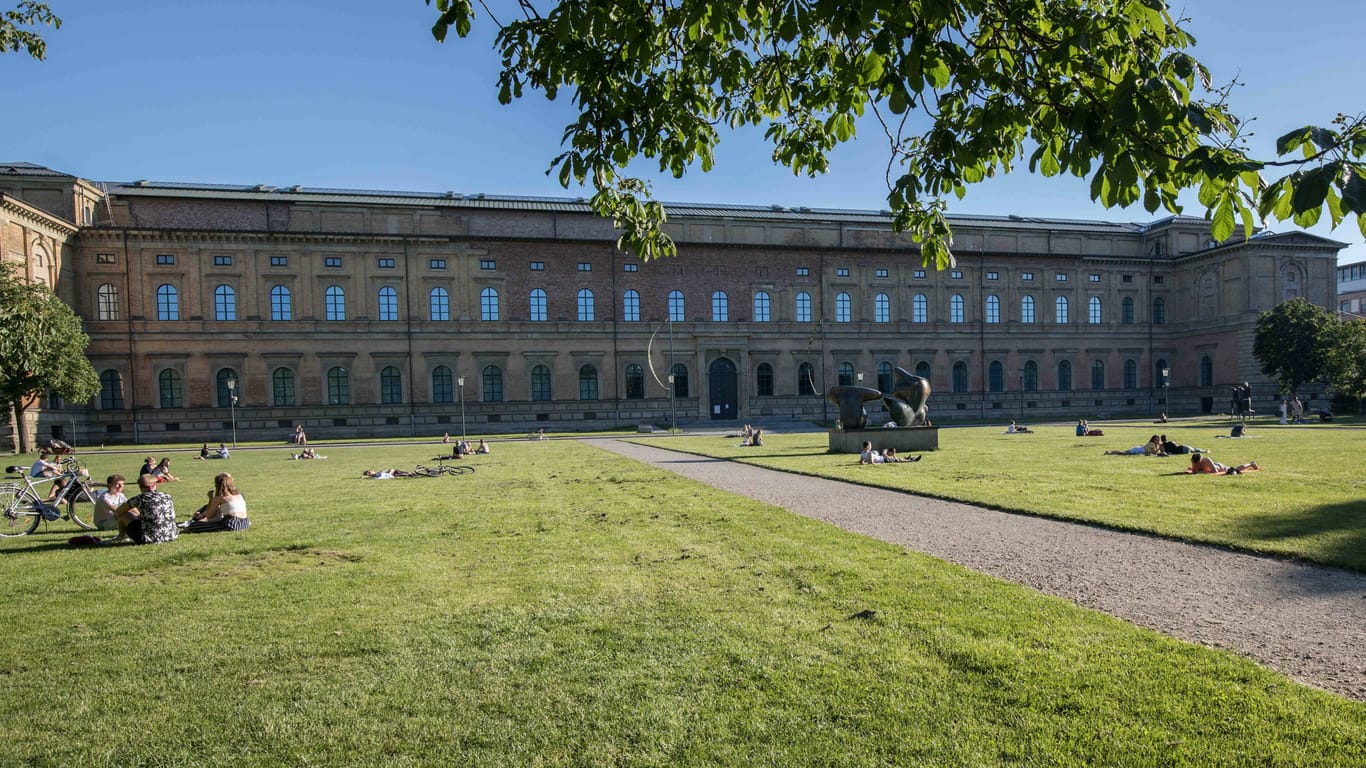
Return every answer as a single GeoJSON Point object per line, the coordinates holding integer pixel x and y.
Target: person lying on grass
{"type": "Point", "coordinates": [385, 474]}
{"type": "Point", "coordinates": [1151, 448]}
{"type": "Point", "coordinates": [1202, 464]}
{"type": "Point", "coordinates": [889, 456]}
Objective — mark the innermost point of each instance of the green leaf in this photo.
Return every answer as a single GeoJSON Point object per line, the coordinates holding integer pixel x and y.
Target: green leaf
{"type": "Point", "coordinates": [1222, 225]}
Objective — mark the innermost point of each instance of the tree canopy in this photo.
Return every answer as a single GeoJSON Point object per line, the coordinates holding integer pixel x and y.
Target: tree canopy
{"type": "Point", "coordinates": [1345, 359]}
{"type": "Point", "coordinates": [42, 348]}
{"type": "Point", "coordinates": [17, 28]}
{"type": "Point", "coordinates": [962, 89]}
{"type": "Point", "coordinates": [1292, 341]}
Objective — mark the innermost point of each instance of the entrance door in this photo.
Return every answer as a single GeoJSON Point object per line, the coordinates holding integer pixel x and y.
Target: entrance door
{"type": "Point", "coordinates": [723, 389]}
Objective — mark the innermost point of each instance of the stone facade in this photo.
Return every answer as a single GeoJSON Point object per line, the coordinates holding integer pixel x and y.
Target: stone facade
{"type": "Point", "coordinates": [359, 313]}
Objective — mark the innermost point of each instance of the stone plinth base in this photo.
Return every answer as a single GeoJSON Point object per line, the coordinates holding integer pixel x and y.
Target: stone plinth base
{"type": "Point", "coordinates": [903, 439]}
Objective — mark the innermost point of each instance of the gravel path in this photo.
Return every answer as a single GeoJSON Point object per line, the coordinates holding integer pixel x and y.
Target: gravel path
{"type": "Point", "coordinates": [1304, 620]}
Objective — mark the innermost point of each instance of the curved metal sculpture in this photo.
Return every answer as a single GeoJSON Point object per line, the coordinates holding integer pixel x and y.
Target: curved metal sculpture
{"type": "Point", "coordinates": [906, 403]}
{"type": "Point", "coordinates": [850, 400]}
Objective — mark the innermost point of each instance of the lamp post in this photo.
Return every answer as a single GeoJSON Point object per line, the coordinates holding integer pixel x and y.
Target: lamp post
{"type": "Point", "coordinates": [858, 377]}
{"type": "Point", "coordinates": [232, 407]}
{"type": "Point", "coordinates": [1166, 380]}
{"type": "Point", "coordinates": [673, 415]}
{"type": "Point", "coordinates": [460, 382]}
{"type": "Point", "coordinates": [1022, 397]}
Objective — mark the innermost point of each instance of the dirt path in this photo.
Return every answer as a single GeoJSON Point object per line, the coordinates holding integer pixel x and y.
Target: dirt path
{"type": "Point", "coordinates": [1304, 620]}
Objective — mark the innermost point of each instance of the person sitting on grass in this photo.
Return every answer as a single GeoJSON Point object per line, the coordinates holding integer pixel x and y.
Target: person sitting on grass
{"type": "Point", "coordinates": [107, 502]}
{"type": "Point", "coordinates": [149, 517]}
{"type": "Point", "coordinates": [1151, 448]}
{"type": "Point", "coordinates": [1202, 464]}
{"type": "Point", "coordinates": [163, 472]}
{"type": "Point", "coordinates": [203, 452]}
{"type": "Point", "coordinates": [483, 447]}
{"type": "Point", "coordinates": [869, 455]}
{"type": "Point", "coordinates": [44, 468]}
{"type": "Point", "coordinates": [1016, 429]}
{"type": "Point", "coordinates": [226, 510]}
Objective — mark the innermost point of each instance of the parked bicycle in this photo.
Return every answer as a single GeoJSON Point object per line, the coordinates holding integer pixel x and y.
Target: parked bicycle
{"type": "Point", "coordinates": [23, 505]}
{"type": "Point", "coordinates": [442, 469]}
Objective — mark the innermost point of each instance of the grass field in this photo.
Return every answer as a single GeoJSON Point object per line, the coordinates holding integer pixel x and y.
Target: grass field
{"type": "Point", "coordinates": [563, 606]}
{"type": "Point", "coordinates": [1309, 502]}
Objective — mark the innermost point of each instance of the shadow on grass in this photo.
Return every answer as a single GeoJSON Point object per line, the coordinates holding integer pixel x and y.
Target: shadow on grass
{"type": "Point", "coordinates": [1343, 524]}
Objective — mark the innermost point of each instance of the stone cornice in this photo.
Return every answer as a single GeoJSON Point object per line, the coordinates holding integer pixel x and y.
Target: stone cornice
{"type": "Point", "coordinates": [95, 235]}
{"type": "Point", "coordinates": [37, 216]}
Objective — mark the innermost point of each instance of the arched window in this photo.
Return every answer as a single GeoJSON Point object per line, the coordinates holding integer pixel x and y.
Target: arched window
{"type": "Point", "coordinates": [1031, 376]}
{"type": "Point", "coordinates": [680, 374]}
{"type": "Point", "coordinates": [884, 377]}
{"type": "Point", "coordinates": [588, 382]}
{"type": "Point", "coordinates": [390, 386]}
{"type": "Point", "coordinates": [225, 393]}
{"type": "Point", "coordinates": [806, 379]}
{"type": "Point", "coordinates": [388, 304]}
{"type": "Point", "coordinates": [630, 307]}
{"type": "Point", "coordinates": [635, 382]}
{"type": "Point", "coordinates": [763, 380]}
{"type": "Point", "coordinates": [540, 383]}
{"type": "Point", "coordinates": [107, 302]}
{"type": "Point", "coordinates": [493, 384]}
{"type": "Point", "coordinates": [882, 308]}
{"type": "Point", "coordinates": [224, 303]}
{"type": "Point", "coordinates": [922, 369]}
{"type": "Point", "coordinates": [720, 307]}
{"type": "Point", "coordinates": [993, 309]}
{"type": "Point", "coordinates": [1206, 371]}
{"type": "Point", "coordinates": [585, 306]}
{"type": "Point", "coordinates": [996, 376]}
{"type": "Point", "coordinates": [956, 308]}
{"type": "Point", "coordinates": [170, 389]}
{"type": "Point", "coordinates": [1159, 311]}
{"type": "Point", "coordinates": [488, 305]}
{"type": "Point", "coordinates": [281, 303]}
{"type": "Point", "coordinates": [676, 308]}
{"type": "Point", "coordinates": [334, 299]}
{"type": "Point", "coordinates": [843, 307]}
{"type": "Point", "coordinates": [537, 305]}
{"type": "Point", "coordinates": [803, 307]}
{"type": "Point", "coordinates": [761, 307]}
{"type": "Point", "coordinates": [168, 302]}
{"type": "Point", "coordinates": [960, 376]}
{"type": "Point", "coordinates": [1027, 310]}
{"type": "Point", "coordinates": [338, 386]}
{"type": "Point", "coordinates": [111, 390]}
{"type": "Point", "coordinates": [920, 309]}
{"type": "Point", "coordinates": [1130, 374]}
{"type": "Point", "coordinates": [1064, 375]}
{"type": "Point", "coordinates": [1093, 310]}
{"type": "Point", "coordinates": [1060, 310]}
{"type": "Point", "coordinates": [1126, 311]}
{"type": "Point", "coordinates": [1097, 374]}
{"type": "Point", "coordinates": [443, 390]}
{"type": "Point", "coordinates": [439, 305]}
{"type": "Point", "coordinates": [846, 374]}
{"type": "Point", "coordinates": [282, 387]}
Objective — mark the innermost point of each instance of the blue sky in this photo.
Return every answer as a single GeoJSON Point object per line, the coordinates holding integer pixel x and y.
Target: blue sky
{"type": "Point", "coordinates": [357, 94]}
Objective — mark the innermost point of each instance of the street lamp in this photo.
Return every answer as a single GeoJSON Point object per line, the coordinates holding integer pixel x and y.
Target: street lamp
{"type": "Point", "coordinates": [232, 407]}
{"type": "Point", "coordinates": [460, 382]}
{"type": "Point", "coordinates": [673, 414]}
{"type": "Point", "coordinates": [1022, 397]}
{"type": "Point", "coordinates": [858, 377]}
{"type": "Point", "coordinates": [1166, 380]}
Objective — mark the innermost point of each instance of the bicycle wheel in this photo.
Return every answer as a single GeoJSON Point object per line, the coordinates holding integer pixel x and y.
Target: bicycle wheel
{"type": "Point", "coordinates": [17, 516]}
{"type": "Point", "coordinates": [459, 470]}
{"type": "Point", "coordinates": [81, 516]}
{"type": "Point", "coordinates": [422, 471]}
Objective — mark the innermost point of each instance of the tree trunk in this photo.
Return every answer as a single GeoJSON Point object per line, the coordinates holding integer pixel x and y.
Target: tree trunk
{"type": "Point", "coordinates": [20, 428]}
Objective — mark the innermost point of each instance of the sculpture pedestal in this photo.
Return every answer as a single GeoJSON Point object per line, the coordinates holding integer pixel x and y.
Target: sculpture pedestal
{"type": "Point", "coordinates": [903, 439]}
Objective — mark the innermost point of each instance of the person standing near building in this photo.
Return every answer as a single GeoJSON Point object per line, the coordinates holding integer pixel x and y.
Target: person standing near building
{"type": "Point", "coordinates": [1296, 411]}
{"type": "Point", "coordinates": [1284, 407]}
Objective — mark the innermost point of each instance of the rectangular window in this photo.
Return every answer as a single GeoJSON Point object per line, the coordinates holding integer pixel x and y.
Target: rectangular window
{"type": "Point", "coordinates": [104, 258]}
{"type": "Point", "coordinates": [585, 266]}
{"type": "Point", "coordinates": [332, 262]}
{"type": "Point", "coordinates": [803, 272]}
{"type": "Point", "coordinates": [222, 261]}
{"type": "Point", "coordinates": [918, 274]}
{"type": "Point", "coordinates": [385, 263]}
{"type": "Point", "coordinates": [630, 267]}
{"type": "Point", "coordinates": [1126, 278]}
{"type": "Point", "coordinates": [437, 263]}
{"type": "Point", "coordinates": [279, 261]}
{"type": "Point", "coordinates": [538, 266]}
{"type": "Point", "coordinates": [1094, 278]}
{"type": "Point", "coordinates": [956, 274]}
{"type": "Point", "coordinates": [1157, 280]}
{"type": "Point", "coordinates": [165, 259]}
{"type": "Point", "coordinates": [842, 272]}
{"type": "Point", "coordinates": [993, 275]}
{"type": "Point", "coordinates": [1061, 277]}
{"type": "Point", "coordinates": [487, 264]}
{"type": "Point", "coordinates": [880, 273]}
{"type": "Point", "coordinates": [1027, 276]}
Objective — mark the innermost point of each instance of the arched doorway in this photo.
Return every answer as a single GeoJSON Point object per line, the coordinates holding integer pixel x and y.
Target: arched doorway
{"type": "Point", "coordinates": [723, 389]}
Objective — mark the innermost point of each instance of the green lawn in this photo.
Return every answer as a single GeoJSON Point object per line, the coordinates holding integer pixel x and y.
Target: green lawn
{"type": "Point", "coordinates": [564, 606]}
{"type": "Point", "coordinates": [1308, 502]}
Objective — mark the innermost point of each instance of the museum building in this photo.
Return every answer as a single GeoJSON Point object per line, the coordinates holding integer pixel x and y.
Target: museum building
{"type": "Point", "coordinates": [364, 313]}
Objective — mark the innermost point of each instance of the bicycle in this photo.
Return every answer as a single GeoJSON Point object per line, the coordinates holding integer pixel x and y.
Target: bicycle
{"type": "Point", "coordinates": [442, 469]}
{"type": "Point", "coordinates": [22, 508]}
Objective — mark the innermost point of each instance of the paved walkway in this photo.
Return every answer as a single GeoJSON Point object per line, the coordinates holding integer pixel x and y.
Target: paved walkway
{"type": "Point", "coordinates": [1304, 620]}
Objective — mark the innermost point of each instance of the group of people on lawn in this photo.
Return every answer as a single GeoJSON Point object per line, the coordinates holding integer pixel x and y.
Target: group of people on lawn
{"type": "Point", "coordinates": [150, 517]}
{"type": "Point", "coordinates": [1201, 463]}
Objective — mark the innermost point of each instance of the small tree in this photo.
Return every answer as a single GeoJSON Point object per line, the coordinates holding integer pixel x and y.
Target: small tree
{"type": "Point", "coordinates": [1346, 359]}
{"type": "Point", "coordinates": [1292, 341]}
{"type": "Point", "coordinates": [42, 348]}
